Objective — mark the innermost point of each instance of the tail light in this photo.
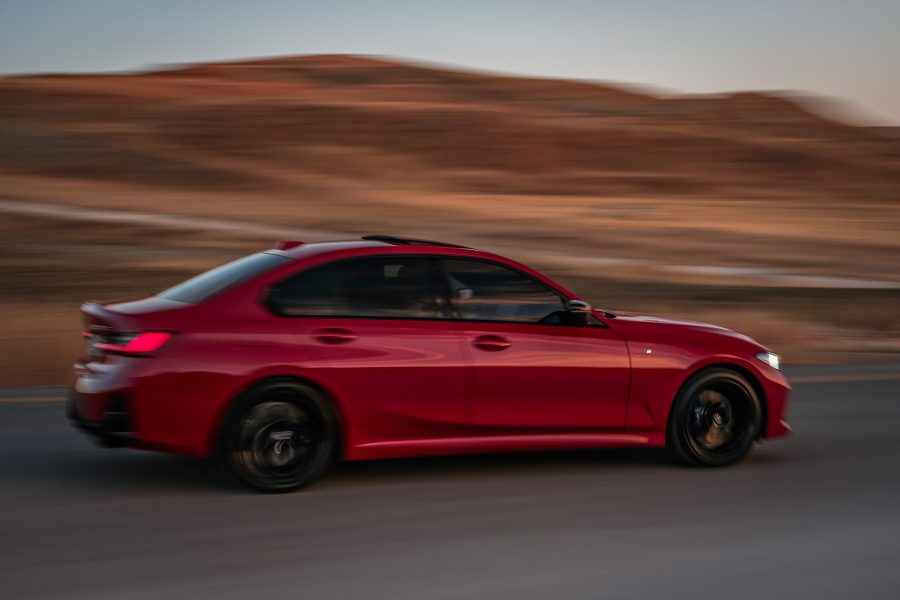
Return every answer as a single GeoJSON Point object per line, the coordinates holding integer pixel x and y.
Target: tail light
{"type": "Point", "coordinates": [127, 344]}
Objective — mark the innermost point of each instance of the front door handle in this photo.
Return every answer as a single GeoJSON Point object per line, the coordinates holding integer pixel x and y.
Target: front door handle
{"type": "Point", "coordinates": [491, 343]}
{"type": "Point", "coordinates": [334, 335]}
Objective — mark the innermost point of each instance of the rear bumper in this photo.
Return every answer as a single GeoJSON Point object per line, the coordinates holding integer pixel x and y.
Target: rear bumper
{"type": "Point", "coordinates": [111, 424]}
{"type": "Point", "coordinates": [126, 403]}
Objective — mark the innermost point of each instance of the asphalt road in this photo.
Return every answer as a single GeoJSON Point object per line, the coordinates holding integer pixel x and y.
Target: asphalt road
{"type": "Point", "coordinates": [813, 516]}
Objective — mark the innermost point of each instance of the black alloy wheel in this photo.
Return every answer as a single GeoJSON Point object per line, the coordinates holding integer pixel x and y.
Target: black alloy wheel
{"type": "Point", "coordinates": [281, 436]}
{"type": "Point", "coordinates": [715, 419]}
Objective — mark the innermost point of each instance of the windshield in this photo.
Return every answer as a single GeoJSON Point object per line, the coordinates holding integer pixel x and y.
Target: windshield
{"type": "Point", "coordinates": [212, 282]}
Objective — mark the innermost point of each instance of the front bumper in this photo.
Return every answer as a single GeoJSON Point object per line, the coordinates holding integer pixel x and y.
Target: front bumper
{"type": "Point", "coordinates": [777, 391]}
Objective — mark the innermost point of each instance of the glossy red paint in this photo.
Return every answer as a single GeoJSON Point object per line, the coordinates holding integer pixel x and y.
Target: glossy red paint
{"type": "Point", "coordinates": [407, 386]}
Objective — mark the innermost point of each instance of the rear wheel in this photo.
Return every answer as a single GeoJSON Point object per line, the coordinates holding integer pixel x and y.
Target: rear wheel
{"type": "Point", "coordinates": [715, 419]}
{"type": "Point", "coordinates": [280, 436]}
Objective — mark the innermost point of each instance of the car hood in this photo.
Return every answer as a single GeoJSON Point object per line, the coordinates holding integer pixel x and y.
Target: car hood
{"type": "Point", "coordinates": [639, 320]}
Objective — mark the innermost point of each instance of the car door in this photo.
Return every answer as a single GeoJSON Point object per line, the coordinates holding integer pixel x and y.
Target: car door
{"type": "Point", "coordinates": [529, 371]}
{"type": "Point", "coordinates": [381, 327]}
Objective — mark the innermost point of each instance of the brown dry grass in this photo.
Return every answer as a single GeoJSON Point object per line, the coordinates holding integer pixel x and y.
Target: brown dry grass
{"type": "Point", "coordinates": [612, 190]}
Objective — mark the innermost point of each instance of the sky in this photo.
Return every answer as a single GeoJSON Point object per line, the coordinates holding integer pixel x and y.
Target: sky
{"type": "Point", "coordinates": [838, 49]}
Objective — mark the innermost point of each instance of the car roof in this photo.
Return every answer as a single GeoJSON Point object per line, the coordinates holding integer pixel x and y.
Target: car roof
{"type": "Point", "coordinates": [373, 247]}
{"type": "Point", "coordinates": [299, 250]}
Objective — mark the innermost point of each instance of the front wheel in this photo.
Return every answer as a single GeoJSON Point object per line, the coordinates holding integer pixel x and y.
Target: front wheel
{"type": "Point", "coordinates": [279, 437]}
{"type": "Point", "coordinates": [715, 419]}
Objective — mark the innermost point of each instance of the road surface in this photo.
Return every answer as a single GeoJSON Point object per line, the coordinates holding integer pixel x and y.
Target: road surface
{"type": "Point", "coordinates": [813, 516]}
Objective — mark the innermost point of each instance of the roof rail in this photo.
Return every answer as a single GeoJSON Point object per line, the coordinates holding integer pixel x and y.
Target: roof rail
{"type": "Point", "coordinates": [404, 241]}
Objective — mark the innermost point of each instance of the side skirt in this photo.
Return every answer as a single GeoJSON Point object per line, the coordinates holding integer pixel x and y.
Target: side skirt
{"type": "Point", "coordinates": [489, 444]}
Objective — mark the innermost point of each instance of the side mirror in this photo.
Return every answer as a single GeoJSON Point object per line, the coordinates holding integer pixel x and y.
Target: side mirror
{"type": "Point", "coordinates": [578, 306]}
{"type": "Point", "coordinates": [578, 312]}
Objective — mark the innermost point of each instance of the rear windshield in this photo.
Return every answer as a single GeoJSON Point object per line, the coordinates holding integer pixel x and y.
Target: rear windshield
{"type": "Point", "coordinates": [212, 282]}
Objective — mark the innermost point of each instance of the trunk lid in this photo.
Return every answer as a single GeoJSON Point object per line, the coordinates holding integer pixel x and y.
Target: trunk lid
{"type": "Point", "coordinates": [112, 325]}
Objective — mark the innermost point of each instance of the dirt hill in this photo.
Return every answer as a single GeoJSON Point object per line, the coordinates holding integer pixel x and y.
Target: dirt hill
{"type": "Point", "coordinates": [259, 122]}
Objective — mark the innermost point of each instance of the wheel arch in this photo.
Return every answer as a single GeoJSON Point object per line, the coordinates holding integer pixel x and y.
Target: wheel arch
{"type": "Point", "coordinates": [250, 386]}
{"type": "Point", "coordinates": [742, 370]}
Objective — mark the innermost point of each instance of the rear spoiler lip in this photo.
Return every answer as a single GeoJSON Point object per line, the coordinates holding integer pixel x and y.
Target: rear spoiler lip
{"type": "Point", "coordinates": [134, 315]}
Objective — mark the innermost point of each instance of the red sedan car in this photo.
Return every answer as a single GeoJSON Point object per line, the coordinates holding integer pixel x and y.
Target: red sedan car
{"type": "Point", "coordinates": [282, 362]}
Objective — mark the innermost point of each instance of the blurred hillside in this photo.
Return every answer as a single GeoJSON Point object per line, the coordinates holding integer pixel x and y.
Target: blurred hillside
{"type": "Point", "coordinates": [750, 209]}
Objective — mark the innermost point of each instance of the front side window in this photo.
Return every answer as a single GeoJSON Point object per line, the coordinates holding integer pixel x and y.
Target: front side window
{"type": "Point", "coordinates": [397, 287]}
{"type": "Point", "coordinates": [486, 291]}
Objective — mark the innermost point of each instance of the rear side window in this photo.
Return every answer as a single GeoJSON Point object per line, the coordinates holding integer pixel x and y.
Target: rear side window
{"type": "Point", "coordinates": [212, 282]}
{"type": "Point", "coordinates": [486, 291]}
{"type": "Point", "coordinates": [398, 287]}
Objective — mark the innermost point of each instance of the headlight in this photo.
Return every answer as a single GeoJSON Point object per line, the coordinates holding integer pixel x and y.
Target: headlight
{"type": "Point", "coordinates": [771, 359]}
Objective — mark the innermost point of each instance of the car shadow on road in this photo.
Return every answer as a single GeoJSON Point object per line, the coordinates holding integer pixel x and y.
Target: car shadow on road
{"type": "Point", "coordinates": [115, 471]}
{"type": "Point", "coordinates": [133, 471]}
{"type": "Point", "coordinates": [496, 466]}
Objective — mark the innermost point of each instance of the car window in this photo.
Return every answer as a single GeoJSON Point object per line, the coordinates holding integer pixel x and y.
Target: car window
{"type": "Point", "coordinates": [487, 291]}
{"type": "Point", "coordinates": [212, 282]}
{"type": "Point", "coordinates": [399, 287]}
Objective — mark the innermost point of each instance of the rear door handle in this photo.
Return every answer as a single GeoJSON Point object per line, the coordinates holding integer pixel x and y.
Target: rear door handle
{"type": "Point", "coordinates": [334, 335]}
{"type": "Point", "coordinates": [491, 343]}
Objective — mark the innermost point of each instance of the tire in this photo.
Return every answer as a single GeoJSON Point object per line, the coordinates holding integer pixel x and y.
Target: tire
{"type": "Point", "coordinates": [715, 419]}
{"type": "Point", "coordinates": [280, 436]}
